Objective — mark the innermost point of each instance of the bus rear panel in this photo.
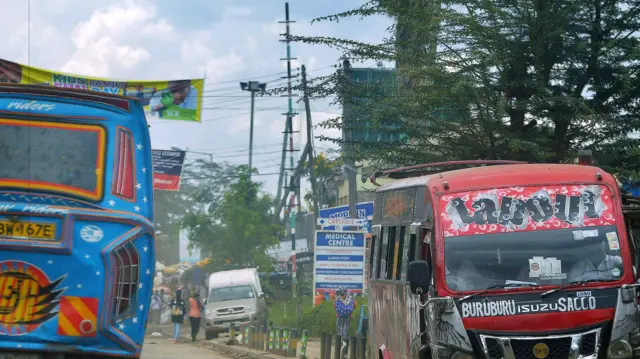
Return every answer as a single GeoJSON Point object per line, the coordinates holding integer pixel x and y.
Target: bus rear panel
{"type": "Point", "coordinates": [76, 223]}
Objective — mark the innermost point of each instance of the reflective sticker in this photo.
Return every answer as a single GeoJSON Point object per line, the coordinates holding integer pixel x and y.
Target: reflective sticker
{"type": "Point", "coordinates": [615, 272]}
{"type": "Point", "coordinates": [583, 234]}
{"type": "Point", "coordinates": [546, 268]}
{"type": "Point", "coordinates": [91, 233]}
{"type": "Point", "coordinates": [612, 239]}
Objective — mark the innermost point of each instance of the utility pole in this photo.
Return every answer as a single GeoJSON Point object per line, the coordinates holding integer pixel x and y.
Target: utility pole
{"type": "Point", "coordinates": [289, 133]}
{"type": "Point", "coordinates": [312, 175]}
{"type": "Point", "coordinates": [253, 87]}
{"type": "Point", "coordinates": [348, 146]}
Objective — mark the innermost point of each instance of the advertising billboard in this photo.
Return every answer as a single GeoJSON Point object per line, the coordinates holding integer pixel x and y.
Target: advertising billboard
{"type": "Point", "coordinates": [167, 99]}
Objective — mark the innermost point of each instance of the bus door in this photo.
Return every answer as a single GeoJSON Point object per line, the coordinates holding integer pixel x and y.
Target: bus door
{"type": "Point", "coordinates": [76, 221]}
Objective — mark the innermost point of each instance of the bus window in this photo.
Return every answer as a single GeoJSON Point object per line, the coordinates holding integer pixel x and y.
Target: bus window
{"type": "Point", "coordinates": [384, 248]}
{"type": "Point", "coordinates": [412, 249]}
{"type": "Point", "coordinates": [375, 272]}
{"type": "Point", "coordinates": [400, 254]}
{"type": "Point", "coordinates": [391, 244]}
{"type": "Point", "coordinates": [372, 256]}
{"type": "Point", "coordinates": [408, 251]}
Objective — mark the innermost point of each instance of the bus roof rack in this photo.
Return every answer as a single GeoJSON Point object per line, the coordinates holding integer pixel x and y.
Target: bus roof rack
{"type": "Point", "coordinates": [420, 170]}
{"type": "Point", "coordinates": [453, 163]}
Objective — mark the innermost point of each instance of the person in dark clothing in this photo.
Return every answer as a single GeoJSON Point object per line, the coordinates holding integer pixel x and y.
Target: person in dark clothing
{"type": "Point", "coordinates": [195, 313]}
{"type": "Point", "coordinates": [178, 311]}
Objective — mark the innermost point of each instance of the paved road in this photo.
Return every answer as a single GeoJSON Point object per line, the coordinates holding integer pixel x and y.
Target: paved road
{"type": "Point", "coordinates": [161, 348]}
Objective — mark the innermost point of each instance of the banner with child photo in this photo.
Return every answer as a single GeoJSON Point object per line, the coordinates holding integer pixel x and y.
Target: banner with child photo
{"type": "Point", "coordinates": [179, 100]}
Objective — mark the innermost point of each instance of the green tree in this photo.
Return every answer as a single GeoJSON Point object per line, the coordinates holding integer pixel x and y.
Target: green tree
{"type": "Point", "coordinates": [235, 226]}
{"type": "Point", "coordinates": [528, 80]}
{"type": "Point", "coordinates": [323, 168]}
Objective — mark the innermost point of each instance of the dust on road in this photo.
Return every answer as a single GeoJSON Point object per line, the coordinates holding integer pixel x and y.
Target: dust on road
{"type": "Point", "coordinates": [161, 348]}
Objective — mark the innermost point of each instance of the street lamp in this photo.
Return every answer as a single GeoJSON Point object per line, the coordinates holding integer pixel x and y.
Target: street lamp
{"type": "Point", "coordinates": [253, 87]}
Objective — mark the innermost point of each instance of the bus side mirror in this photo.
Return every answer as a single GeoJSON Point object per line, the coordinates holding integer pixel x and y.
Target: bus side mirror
{"type": "Point", "coordinates": [260, 295]}
{"type": "Point", "coordinates": [419, 277]}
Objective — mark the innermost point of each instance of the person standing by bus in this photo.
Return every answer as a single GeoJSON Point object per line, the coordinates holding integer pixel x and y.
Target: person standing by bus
{"type": "Point", "coordinates": [156, 307]}
{"type": "Point", "coordinates": [178, 310]}
{"type": "Point", "coordinates": [344, 305]}
{"type": "Point", "coordinates": [195, 312]}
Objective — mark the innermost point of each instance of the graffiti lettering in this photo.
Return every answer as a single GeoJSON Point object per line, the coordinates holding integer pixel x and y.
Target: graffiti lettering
{"type": "Point", "coordinates": [6, 207]}
{"type": "Point", "coordinates": [43, 209]}
{"type": "Point", "coordinates": [527, 209]}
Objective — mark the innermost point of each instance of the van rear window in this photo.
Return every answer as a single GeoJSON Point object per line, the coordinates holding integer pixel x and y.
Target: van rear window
{"type": "Point", "coordinates": [52, 157]}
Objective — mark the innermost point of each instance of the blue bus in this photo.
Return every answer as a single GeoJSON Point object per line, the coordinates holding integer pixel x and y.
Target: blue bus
{"type": "Point", "coordinates": [76, 223]}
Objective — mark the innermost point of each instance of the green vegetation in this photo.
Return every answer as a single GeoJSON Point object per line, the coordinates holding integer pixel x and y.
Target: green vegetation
{"type": "Point", "coordinates": [316, 320]}
{"type": "Point", "coordinates": [234, 225]}
{"type": "Point", "coordinates": [524, 80]}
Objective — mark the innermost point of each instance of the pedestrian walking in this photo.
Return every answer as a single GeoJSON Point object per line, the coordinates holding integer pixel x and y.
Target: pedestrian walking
{"type": "Point", "coordinates": [156, 307]}
{"type": "Point", "coordinates": [195, 313]}
{"type": "Point", "coordinates": [178, 310]}
{"type": "Point", "coordinates": [344, 305]}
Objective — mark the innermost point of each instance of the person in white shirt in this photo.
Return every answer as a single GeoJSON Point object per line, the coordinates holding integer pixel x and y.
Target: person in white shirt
{"type": "Point", "coordinates": [596, 265]}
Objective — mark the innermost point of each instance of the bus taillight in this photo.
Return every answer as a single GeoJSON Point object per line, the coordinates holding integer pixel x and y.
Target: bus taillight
{"type": "Point", "coordinates": [127, 274]}
{"type": "Point", "coordinates": [124, 174]}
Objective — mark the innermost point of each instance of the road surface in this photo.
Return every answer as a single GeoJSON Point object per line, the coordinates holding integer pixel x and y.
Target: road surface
{"type": "Point", "coordinates": [161, 348]}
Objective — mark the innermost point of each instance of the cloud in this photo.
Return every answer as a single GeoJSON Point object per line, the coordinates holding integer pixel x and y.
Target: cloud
{"type": "Point", "coordinates": [156, 40]}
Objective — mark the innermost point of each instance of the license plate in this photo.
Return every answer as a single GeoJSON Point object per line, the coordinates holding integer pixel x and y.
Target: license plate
{"type": "Point", "coordinates": [28, 230]}
{"type": "Point", "coordinates": [20, 356]}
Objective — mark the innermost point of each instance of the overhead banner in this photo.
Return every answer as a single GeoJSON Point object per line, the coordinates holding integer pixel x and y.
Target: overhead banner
{"type": "Point", "coordinates": [169, 100]}
{"type": "Point", "coordinates": [167, 169]}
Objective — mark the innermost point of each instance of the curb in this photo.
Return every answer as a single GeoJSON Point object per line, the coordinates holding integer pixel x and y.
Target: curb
{"type": "Point", "coordinates": [212, 344]}
{"type": "Point", "coordinates": [241, 351]}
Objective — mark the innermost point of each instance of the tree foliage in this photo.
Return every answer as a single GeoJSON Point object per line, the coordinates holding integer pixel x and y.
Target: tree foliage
{"type": "Point", "coordinates": [323, 169]}
{"type": "Point", "coordinates": [234, 223]}
{"type": "Point", "coordinates": [201, 189]}
{"type": "Point", "coordinates": [498, 79]}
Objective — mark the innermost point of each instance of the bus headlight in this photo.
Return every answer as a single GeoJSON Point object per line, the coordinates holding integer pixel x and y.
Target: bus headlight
{"type": "Point", "coordinates": [461, 355]}
{"type": "Point", "coordinates": [620, 349]}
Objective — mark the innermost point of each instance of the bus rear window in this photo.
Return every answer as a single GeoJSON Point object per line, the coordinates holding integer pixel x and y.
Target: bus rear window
{"type": "Point", "coordinates": [52, 157]}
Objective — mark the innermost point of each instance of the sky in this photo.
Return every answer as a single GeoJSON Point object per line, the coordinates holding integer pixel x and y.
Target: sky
{"type": "Point", "coordinates": [224, 41]}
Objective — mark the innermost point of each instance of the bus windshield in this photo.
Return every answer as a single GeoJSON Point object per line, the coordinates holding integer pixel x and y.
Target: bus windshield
{"type": "Point", "coordinates": [67, 159]}
{"type": "Point", "coordinates": [552, 257]}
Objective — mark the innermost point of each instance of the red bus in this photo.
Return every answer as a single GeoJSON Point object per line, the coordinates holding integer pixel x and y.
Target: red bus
{"type": "Point", "coordinates": [503, 261]}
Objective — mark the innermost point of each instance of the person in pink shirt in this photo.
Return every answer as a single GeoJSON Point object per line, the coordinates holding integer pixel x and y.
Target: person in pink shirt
{"type": "Point", "coordinates": [195, 313]}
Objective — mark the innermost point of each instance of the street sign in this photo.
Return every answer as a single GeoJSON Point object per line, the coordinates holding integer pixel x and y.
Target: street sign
{"type": "Point", "coordinates": [365, 211]}
{"type": "Point", "coordinates": [339, 261]}
{"type": "Point", "coordinates": [325, 222]}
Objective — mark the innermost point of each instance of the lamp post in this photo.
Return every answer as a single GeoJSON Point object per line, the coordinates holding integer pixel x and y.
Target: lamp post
{"type": "Point", "coordinates": [253, 87]}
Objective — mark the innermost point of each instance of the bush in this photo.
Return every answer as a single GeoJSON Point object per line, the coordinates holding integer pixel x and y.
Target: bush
{"type": "Point", "coordinates": [317, 320]}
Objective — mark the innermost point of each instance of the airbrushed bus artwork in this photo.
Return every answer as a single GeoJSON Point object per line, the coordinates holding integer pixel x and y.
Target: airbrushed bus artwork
{"type": "Point", "coordinates": [508, 261]}
{"type": "Point", "coordinates": [76, 223]}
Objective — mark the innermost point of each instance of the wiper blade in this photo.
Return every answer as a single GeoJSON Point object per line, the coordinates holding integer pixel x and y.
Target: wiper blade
{"type": "Point", "coordinates": [571, 284]}
{"type": "Point", "coordinates": [497, 286]}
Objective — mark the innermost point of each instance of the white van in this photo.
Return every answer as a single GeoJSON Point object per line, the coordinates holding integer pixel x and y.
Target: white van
{"type": "Point", "coordinates": [234, 296]}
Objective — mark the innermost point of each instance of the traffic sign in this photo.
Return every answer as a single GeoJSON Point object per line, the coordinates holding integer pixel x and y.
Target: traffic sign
{"type": "Point", "coordinates": [325, 222]}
